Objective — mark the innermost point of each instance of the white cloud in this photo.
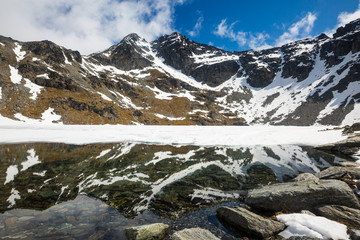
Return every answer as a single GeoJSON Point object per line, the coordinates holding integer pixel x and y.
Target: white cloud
{"type": "Point", "coordinates": [197, 27]}
{"type": "Point", "coordinates": [86, 25]}
{"type": "Point", "coordinates": [298, 30]}
{"type": "Point", "coordinates": [226, 31]}
{"type": "Point", "coordinates": [344, 18]}
{"type": "Point", "coordinates": [258, 41]}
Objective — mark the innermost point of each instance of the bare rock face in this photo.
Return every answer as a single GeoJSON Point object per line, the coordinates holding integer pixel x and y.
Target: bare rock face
{"type": "Point", "coordinates": [303, 195]}
{"type": "Point", "coordinates": [156, 231]}
{"type": "Point", "coordinates": [194, 233]}
{"type": "Point", "coordinates": [243, 221]}
{"type": "Point", "coordinates": [348, 216]}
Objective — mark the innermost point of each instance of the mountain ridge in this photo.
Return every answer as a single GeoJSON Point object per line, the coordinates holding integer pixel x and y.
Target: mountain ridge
{"type": "Point", "coordinates": [174, 80]}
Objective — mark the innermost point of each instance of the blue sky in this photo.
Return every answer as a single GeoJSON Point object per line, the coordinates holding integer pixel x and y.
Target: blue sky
{"type": "Point", "coordinates": [234, 25]}
{"type": "Point", "coordinates": [272, 19]}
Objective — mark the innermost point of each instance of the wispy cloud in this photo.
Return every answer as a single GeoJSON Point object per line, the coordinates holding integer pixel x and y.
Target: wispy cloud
{"type": "Point", "coordinates": [86, 25]}
{"type": "Point", "coordinates": [225, 31]}
{"type": "Point", "coordinates": [298, 30]}
{"type": "Point", "coordinates": [344, 18]}
{"type": "Point", "coordinates": [196, 30]}
{"type": "Point", "coordinates": [259, 41]}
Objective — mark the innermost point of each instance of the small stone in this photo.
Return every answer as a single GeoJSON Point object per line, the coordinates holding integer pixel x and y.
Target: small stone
{"type": "Point", "coordinates": [194, 233]}
{"type": "Point", "coordinates": [307, 212]}
{"type": "Point", "coordinates": [154, 231]}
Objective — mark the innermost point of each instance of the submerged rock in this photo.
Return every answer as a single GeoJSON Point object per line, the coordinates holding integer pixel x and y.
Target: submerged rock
{"type": "Point", "coordinates": [349, 216]}
{"type": "Point", "coordinates": [194, 233]}
{"type": "Point", "coordinates": [303, 195]}
{"type": "Point", "coordinates": [243, 221]}
{"type": "Point", "coordinates": [156, 231]}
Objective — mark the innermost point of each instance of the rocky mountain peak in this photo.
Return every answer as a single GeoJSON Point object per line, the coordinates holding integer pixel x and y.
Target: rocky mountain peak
{"type": "Point", "coordinates": [348, 28]}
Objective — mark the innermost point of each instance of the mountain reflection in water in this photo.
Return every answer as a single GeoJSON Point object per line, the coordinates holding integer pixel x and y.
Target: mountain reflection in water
{"type": "Point", "coordinates": [65, 190]}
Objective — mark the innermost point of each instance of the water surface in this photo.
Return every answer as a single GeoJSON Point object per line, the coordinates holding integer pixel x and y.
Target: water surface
{"type": "Point", "coordinates": [94, 191]}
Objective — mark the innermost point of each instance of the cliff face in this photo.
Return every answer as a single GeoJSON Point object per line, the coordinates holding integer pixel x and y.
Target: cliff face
{"type": "Point", "coordinates": [174, 80]}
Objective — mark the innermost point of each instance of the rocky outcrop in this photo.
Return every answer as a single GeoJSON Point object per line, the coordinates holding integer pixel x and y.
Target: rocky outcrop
{"type": "Point", "coordinates": [247, 223]}
{"type": "Point", "coordinates": [304, 195]}
{"type": "Point", "coordinates": [156, 231]}
{"type": "Point", "coordinates": [349, 216]}
{"type": "Point", "coordinates": [194, 233]}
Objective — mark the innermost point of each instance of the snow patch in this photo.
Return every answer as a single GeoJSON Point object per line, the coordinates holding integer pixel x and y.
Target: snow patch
{"type": "Point", "coordinates": [11, 172]}
{"type": "Point", "coordinates": [32, 160]}
{"type": "Point", "coordinates": [312, 226]}
{"type": "Point", "coordinates": [19, 54]}
{"type": "Point", "coordinates": [15, 77]}
{"type": "Point", "coordinates": [49, 116]}
{"type": "Point", "coordinates": [12, 198]}
{"type": "Point", "coordinates": [34, 88]}
{"type": "Point", "coordinates": [103, 153]}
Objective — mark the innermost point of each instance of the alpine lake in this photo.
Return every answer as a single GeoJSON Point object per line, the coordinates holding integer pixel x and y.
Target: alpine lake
{"type": "Point", "coordinates": [95, 191]}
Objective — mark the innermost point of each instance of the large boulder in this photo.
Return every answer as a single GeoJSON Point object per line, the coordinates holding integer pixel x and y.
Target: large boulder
{"type": "Point", "coordinates": [194, 233]}
{"type": "Point", "coordinates": [155, 231]}
{"type": "Point", "coordinates": [245, 222]}
{"type": "Point", "coordinates": [349, 216]}
{"type": "Point", "coordinates": [339, 172]}
{"type": "Point", "coordinates": [303, 195]}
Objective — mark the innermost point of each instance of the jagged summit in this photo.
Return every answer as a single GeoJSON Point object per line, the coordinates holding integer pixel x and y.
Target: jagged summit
{"type": "Point", "coordinates": [351, 27]}
{"type": "Point", "coordinates": [174, 80]}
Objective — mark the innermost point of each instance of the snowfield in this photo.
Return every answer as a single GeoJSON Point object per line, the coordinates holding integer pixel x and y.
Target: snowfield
{"type": "Point", "coordinates": [37, 131]}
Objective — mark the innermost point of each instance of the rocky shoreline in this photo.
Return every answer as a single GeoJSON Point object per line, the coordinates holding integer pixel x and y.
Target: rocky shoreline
{"type": "Point", "coordinates": [326, 203]}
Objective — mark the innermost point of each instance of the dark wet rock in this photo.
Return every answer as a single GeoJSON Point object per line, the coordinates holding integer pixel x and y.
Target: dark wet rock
{"type": "Point", "coordinates": [354, 234]}
{"type": "Point", "coordinates": [243, 221]}
{"type": "Point", "coordinates": [339, 172]}
{"type": "Point", "coordinates": [303, 195]}
{"type": "Point", "coordinates": [348, 216]}
{"type": "Point", "coordinates": [194, 233]}
{"type": "Point", "coordinates": [351, 129]}
{"type": "Point", "coordinates": [154, 231]}
{"type": "Point", "coordinates": [305, 177]}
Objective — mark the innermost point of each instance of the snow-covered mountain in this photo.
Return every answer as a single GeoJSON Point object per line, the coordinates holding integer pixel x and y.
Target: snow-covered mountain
{"type": "Point", "coordinates": [174, 80]}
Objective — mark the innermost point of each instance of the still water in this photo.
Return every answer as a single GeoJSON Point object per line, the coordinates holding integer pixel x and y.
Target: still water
{"type": "Point", "coordinates": [95, 191]}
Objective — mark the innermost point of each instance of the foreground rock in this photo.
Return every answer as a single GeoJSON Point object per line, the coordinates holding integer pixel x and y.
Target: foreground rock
{"type": "Point", "coordinates": [194, 234]}
{"type": "Point", "coordinates": [244, 222]}
{"type": "Point", "coordinates": [302, 195]}
{"type": "Point", "coordinates": [154, 231]}
{"type": "Point", "coordinates": [339, 172]}
{"type": "Point", "coordinates": [347, 147]}
{"type": "Point", "coordinates": [349, 216]}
